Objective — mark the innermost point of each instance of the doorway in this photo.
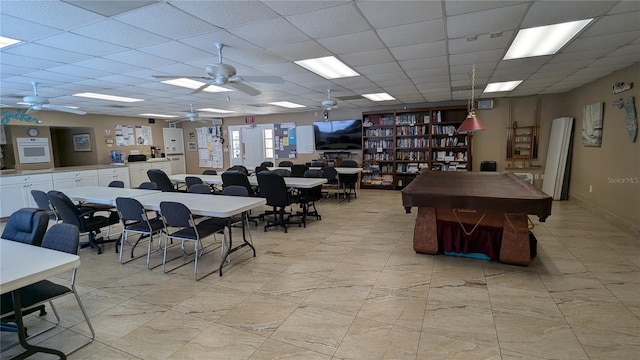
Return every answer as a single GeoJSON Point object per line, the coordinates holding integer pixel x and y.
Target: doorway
{"type": "Point", "coordinates": [64, 154]}
{"type": "Point", "coordinates": [251, 145]}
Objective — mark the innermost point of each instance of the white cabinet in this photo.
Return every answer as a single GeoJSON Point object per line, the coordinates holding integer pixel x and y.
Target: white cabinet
{"type": "Point", "coordinates": [166, 166]}
{"type": "Point", "coordinates": [71, 179]}
{"type": "Point", "coordinates": [177, 164]}
{"type": "Point", "coordinates": [16, 191]}
{"type": "Point", "coordinates": [173, 141]}
{"type": "Point", "coordinates": [105, 176]}
{"type": "Point", "coordinates": [138, 170]}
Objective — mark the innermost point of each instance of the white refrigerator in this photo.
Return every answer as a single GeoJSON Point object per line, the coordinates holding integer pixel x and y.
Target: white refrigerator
{"type": "Point", "coordinates": [174, 149]}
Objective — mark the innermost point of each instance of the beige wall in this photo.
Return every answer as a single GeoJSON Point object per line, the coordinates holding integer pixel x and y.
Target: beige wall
{"type": "Point", "coordinates": [613, 170]}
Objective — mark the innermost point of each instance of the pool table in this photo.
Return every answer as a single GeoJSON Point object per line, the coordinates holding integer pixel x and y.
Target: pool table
{"type": "Point", "coordinates": [475, 212]}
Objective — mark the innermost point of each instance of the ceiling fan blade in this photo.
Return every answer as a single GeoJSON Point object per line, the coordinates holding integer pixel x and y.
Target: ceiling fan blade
{"type": "Point", "coordinates": [263, 79]}
{"type": "Point", "coordinates": [206, 85]}
{"type": "Point", "coordinates": [30, 110]}
{"type": "Point", "coordinates": [244, 88]}
{"type": "Point", "coordinates": [180, 76]}
{"type": "Point", "coordinates": [63, 109]}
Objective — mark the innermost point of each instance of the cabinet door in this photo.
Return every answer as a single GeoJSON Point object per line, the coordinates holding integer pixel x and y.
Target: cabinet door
{"type": "Point", "coordinates": [44, 186]}
{"type": "Point", "coordinates": [12, 198]}
{"type": "Point", "coordinates": [59, 184]}
{"type": "Point", "coordinates": [173, 141]}
{"type": "Point", "coordinates": [106, 176]}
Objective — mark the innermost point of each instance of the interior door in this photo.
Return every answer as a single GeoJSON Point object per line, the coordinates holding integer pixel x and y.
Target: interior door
{"type": "Point", "coordinates": [248, 145]}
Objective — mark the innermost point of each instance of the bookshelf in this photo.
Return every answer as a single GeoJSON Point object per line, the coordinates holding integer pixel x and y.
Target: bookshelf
{"type": "Point", "coordinates": [523, 145]}
{"type": "Point", "coordinates": [397, 145]}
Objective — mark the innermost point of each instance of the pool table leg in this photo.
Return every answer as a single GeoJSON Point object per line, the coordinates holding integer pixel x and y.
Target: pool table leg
{"type": "Point", "coordinates": [515, 241]}
{"type": "Point", "coordinates": [425, 233]}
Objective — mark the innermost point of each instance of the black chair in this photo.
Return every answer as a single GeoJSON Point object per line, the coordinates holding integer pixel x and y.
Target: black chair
{"type": "Point", "coordinates": [488, 166]}
{"type": "Point", "coordinates": [148, 185]}
{"type": "Point", "coordinates": [42, 201]}
{"type": "Point", "coordinates": [282, 172]}
{"type": "Point", "coordinates": [348, 164]}
{"type": "Point", "coordinates": [260, 169]}
{"type": "Point", "coordinates": [161, 179]}
{"type": "Point", "coordinates": [297, 170]}
{"type": "Point", "coordinates": [267, 164]}
{"type": "Point", "coordinates": [27, 225]}
{"type": "Point", "coordinates": [275, 191]}
{"type": "Point", "coordinates": [240, 168]}
{"type": "Point", "coordinates": [135, 219]}
{"type": "Point", "coordinates": [192, 180]}
{"type": "Point", "coordinates": [209, 172]}
{"type": "Point", "coordinates": [235, 177]}
{"type": "Point", "coordinates": [318, 163]}
{"type": "Point", "coordinates": [60, 237]}
{"type": "Point", "coordinates": [178, 216]}
{"type": "Point", "coordinates": [331, 174]}
{"type": "Point", "coordinates": [85, 220]}
{"type": "Point", "coordinates": [308, 197]}
{"type": "Point", "coordinates": [199, 189]}
{"type": "Point", "coordinates": [285, 163]}
{"type": "Point", "coordinates": [116, 184]}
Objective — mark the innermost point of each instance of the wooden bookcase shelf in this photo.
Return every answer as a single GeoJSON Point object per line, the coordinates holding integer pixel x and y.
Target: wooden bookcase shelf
{"type": "Point", "coordinates": [398, 144]}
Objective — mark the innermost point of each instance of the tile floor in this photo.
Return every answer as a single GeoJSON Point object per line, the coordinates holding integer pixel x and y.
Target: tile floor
{"type": "Point", "coordinates": [351, 287]}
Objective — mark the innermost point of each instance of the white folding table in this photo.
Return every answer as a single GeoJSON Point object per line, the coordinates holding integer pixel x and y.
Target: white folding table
{"type": "Point", "coordinates": [103, 194]}
{"type": "Point", "coordinates": [22, 265]}
{"type": "Point", "coordinates": [294, 182]}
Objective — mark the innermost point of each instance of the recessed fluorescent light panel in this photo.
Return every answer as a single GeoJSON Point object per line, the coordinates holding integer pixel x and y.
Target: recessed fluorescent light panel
{"type": "Point", "coordinates": [544, 40]}
{"type": "Point", "coordinates": [379, 97]}
{"type": "Point", "coordinates": [159, 115]}
{"type": "Point", "coordinates": [193, 84]}
{"type": "Point", "coordinates": [502, 86]}
{"type": "Point", "coordinates": [5, 41]}
{"type": "Point", "coordinates": [107, 97]}
{"type": "Point", "coordinates": [286, 104]}
{"type": "Point", "coordinates": [219, 111]}
{"type": "Point", "coordinates": [328, 67]}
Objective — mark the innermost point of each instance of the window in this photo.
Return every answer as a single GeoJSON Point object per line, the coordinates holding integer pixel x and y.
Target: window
{"type": "Point", "coordinates": [268, 143]}
{"type": "Point", "coordinates": [235, 144]}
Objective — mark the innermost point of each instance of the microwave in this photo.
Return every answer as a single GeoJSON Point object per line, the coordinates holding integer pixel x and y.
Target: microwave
{"type": "Point", "coordinates": [33, 150]}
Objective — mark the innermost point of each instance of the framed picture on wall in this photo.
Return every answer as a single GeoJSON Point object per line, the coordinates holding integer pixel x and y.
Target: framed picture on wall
{"type": "Point", "coordinates": [81, 142]}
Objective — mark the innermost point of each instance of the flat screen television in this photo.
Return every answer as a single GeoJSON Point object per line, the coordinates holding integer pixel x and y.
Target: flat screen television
{"type": "Point", "coordinates": [338, 134]}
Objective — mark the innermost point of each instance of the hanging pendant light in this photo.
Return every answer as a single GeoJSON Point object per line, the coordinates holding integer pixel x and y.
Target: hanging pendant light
{"type": "Point", "coordinates": [472, 123]}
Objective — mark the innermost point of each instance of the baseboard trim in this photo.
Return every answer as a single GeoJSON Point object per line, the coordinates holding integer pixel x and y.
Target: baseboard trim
{"type": "Point", "coordinates": [611, 218]}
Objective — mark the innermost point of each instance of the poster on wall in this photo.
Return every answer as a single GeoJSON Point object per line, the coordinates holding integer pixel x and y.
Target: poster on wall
{"type": "Point", "coordinates": [592, 125]}
{"type": "Point", "coordinates": [143, 135]}
{"type": "Point", "coordinates": [125, 135]}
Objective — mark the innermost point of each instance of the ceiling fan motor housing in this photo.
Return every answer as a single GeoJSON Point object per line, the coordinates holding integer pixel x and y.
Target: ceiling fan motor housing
{"type": "Point", "coordinates": [35, 100]}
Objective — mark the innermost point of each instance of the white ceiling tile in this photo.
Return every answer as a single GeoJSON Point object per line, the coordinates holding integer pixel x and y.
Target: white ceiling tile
{"type": "Point", "coordinates": [425, 63]}
{"type": "Point", "coordinates": [483, 42]}
{"type": "Point", "coordinates": [480, 56]}
{"type": "Point", "coordinates": [166, 20]}
{"type": "Point", "coordinates": [9, 70]}
{"type": "Point", "coordinates": [227, 14]}
{"type": "Point", "coordinates": [120, 34]}
{"type": "Point", "coordinates": [554, 12]}
{"type": "Point", "coordinates": [528, 64]}
{"type": "Point", "coordinates": [464, 7]}
{"type": "Point", "coordinates": [382, 14]}
{"type": "Point", "coordinates": [55, 14]}
{"type": "Point", "coordinates": [53, 77]}
{"type": "Point", "coordinates": [300, 50]}
{"type": "Point", "coordinates": [624, 7]}
{"type": "Point", "coordinates": [110, 8]}
{"type": "Point", "coordinates": [80, 44]}
{"type": "Point", "coordinates": [107, 65]}
{"type": "Point", "coordinates": [383, 76]}
{"type": "Point", "coordinates": [282, 69]}
{"type": "Point", "coordinates": [605, 42]}
{"type": "Point", "coordinates": [614, 24]}
{"type": "Point", "coordinates": [334, 21]}
{"type": "Point", "coordinates": [79, 71]}
{"type": "Point", "coordinates": [36, 51]}
{"type": "Point", "coordinates": [389, 67]}
{"type": "Point", "coordinates": [356, 42]}
{"type": "Point", "coordinates": [269, 33]}
{"type": "Point", "coordinates": [410, 52]}
{"type": "Point", "coordinates": [366, 57]}
{"type": "Point", "coordinates": [633, 50]}
{"type": "Point", "coordinates": [175, 51]}
{"type": "Point", "coordinates": [486, 21]}
{"type": "Point", "coordinates": [416, 33]}
{"type": "Point", "coordinates": [24, 30]}
{"type": "Point", "coordinates": [139, 58]}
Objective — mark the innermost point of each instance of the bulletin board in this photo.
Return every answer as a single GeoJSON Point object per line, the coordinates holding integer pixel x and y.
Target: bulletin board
{"type": "Point", "coordinates": [127, 135]}
{"type": "Point", "coordinates": [209, 142]}
{"type": "Point", "coordinates": [285, 141]}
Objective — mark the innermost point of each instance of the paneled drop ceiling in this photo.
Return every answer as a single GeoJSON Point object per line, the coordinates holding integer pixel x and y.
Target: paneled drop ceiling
{"type": "Point", "coordinates": [417, 51]}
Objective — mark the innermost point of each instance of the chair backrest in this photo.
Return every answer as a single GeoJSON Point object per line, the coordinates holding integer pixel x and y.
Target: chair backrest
{"type": "Point", "coordinates": [192, 180]}
{"type": "Point", "coordinates": [209, 172]}
{"type": "Point", "coordinates": [348, 163]}
{"type": "Point", "coordinates": [488, 166]}
{"type": "Point", "coordinates": [315, 193]}
{"type": "Point", "coordinates": [285, 163]}
{"type": "Point", "coordinates": [231, 177]}
{"type": "Point", "coordinates": [62, 237]}
{"type": "Point", "coordinates": [199, 189]}
{"type": "Point", "coordinates": [318, 163]}
{"type": "Point", "coordinates": [273, 188]}
{"type": "Point", "coordinates": [42, 201]}
{"type": "Point", "coordinates": [130, 209]}
{"type": "Point", "coordinates": [267, 164]}
{"type": "Point", "coordinates": [330, 173]}
{"type": "Point", "coordinates": [161, 179]}
{"type": "Point", "coordinates": [297, 170]}
{"type": "Point", "coordinates": [260, 168]}
{"type": "Point", "coordinates": [27, 225]}
{"type": "Point", "coordinates": [313, 173]}
{"type": "Point", "coordinates": [66, 209]}
{"type": "Point", "coordinates": [239, 168]}
{"type": "Point", "coordinates": [176, 214]}
{"type": "Point", "coordinates": [283, 172]}
{"type": "Point", "coordinates": [235, 190]}
{"type": "Point", "coordinates": [116, 184]}
{"type": "Point", "coordinates": [148, 185]}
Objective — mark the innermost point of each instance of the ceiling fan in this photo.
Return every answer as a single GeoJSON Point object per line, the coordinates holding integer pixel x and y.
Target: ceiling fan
{"type": "Point", "coordinates": [190, 116]}
{"type": "Point", "coordinates": [224, 74]}
{"type": "Point", "coordinates": [329, 103]}
{"type": "Point", "coordinates": [37, 103]}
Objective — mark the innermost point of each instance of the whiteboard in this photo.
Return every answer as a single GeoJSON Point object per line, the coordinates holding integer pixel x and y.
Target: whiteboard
{"type": "Point", "coordinates": [305, 139]}
{"type": "Point", "coordinates": [555, 166]}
